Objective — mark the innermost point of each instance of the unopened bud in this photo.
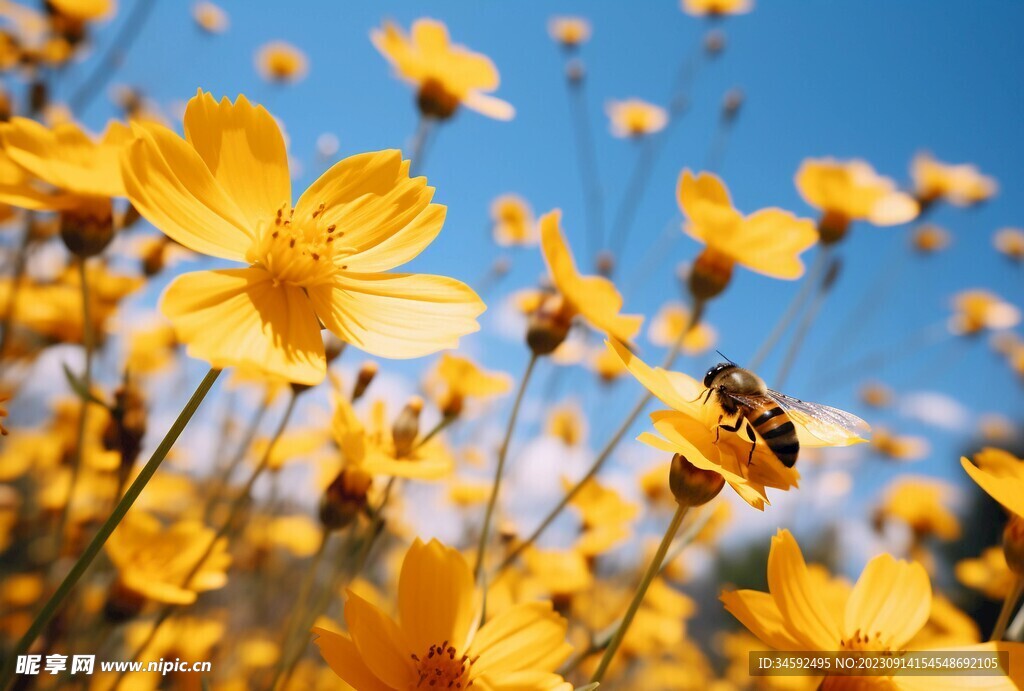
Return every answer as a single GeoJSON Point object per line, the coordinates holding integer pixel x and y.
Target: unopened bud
{"type": "Point", "coordinates": [732, 103]}
{"type": "Point", "coordinates": [38, 96]}
{"type": "Point", "coordinates": [366, 374]}
{"type": "Point", "coordinates": [710, 274]}
{"type": "Point", "coordinates": [605, 264]}
{"type": "Point", "coordinates": [123, 603]}
{"type": "Point", "coordinates": [1013, 544]}
{"type": "Point", "coordinates": [693, 486]}
{"type": "Point", "coordinates": [929, 239]}
{"type": "Point", "coordinates": [153, 260]}
{"type": "Point", "coordinates": [832, 227]}
{"type": "Point", "coordinates": [130, 217]}
{"type": "Point", "coordinates": [88, 230]}
{"type": "Point", "coordinates": [407, 427]}
{"type": "Point", "coordinates": [126, 428]}
{"type": "Point", "coordinates": [501, 266]}
{"type": "Point", "coordinates": [333, 346]}
{"type": "Point", "coordinates": [714, 42]}
{"type": "Point", "coordinates": [344, 498]}
{"type": "Point", "coordinates": [548, 325]}
{"type": "Point", "coordinates": [575, 71]}
{"type": "Point", "coordinates": [6, 107]}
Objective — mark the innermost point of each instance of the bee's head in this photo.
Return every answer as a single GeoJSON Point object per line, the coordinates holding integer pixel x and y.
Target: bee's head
{"type": "Point", "coordinates": [715, 371]}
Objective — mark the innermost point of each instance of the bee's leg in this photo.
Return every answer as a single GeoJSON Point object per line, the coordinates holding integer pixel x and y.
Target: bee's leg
{"type": "Point", "coordinates": [753, 441]}
{"type": "Point", "coordinates": [734, 427]}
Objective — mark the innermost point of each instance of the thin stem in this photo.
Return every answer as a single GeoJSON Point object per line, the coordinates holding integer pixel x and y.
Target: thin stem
{"type": "Point", "coordinates": [424, 128]}
{"type": "Point", "coordinates": [481, 548]}
{"type": "Point", "coordinates": [20, 263]}
{"type": "Point", "coordinates": [609, 447]}
{"type": "Point", "coordinates": [53, 605]}
{"type": "Point", "coordinates": [634, 194]}
{"type": "Point", "coordinates": [238, 457]}
{"type": "Point", "coordinates": [586, 159]}
{"type": "Point", "coordinates": [76, 454]}
{"type": "Point", "coordinates": [638, 597]}
{"type": "Point", "coordinates": [1009, 605]}
{"type": "Point", "coordinates": [804, 327]}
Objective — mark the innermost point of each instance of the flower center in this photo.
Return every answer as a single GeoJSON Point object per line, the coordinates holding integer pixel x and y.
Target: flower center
{"type": "Point", "coordinates": [864, 642]}
{"type": "Point", "coordinates": [301, 251]}
{"type": "Point", "coordinates": [443, 668]}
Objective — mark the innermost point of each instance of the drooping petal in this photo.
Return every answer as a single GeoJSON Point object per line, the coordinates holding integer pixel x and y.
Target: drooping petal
{"type": "Point", "coordinates": [242, 146]}
{"type": "Point", "coordinates": [239, 317]}
{"type": "Point", "coordinates": [381, 643]}
{"type": "Point", "coordinates": [491, 106]}
{"type": "Point", "coordinates": [436, 599]}
{"type": "Point", "coordinates": [342, 656]}
{"type": "Point", "coordinates": [802, 607]}
{"type": "Point", "coordinates": [758, 612]}
{"type": "Point", "coordinates": [529, 636]}
{"type": "Point", "coordinates": [999, 481]}
{"type": "Point", "coordinates": [674, 389]}
{"type": "Point", "coordinates": [172, 188]}
{"type": "Point", "coordinates": [398, 315]}
{"type": "Point", "coordinates": [892, 600]}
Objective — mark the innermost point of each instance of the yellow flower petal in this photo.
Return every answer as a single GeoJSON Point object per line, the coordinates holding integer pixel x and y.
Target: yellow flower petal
{"type": "Point", "coordinates": [381, 643]}
{"type": "Point", "coordinates": [800, 604]}
{"type": "Point", "coordinates": [529, 636]}
{"type": "Point", "coordinates": [239, 317]}
{"type": "Point", "coordinates": [674, 389]}
{"type": "Point", "coordinates": [526, 680]}
{"type": "Point", "coordinates": [342, 656]}
{"type": "Point", "coordinates": [172, 188]}
{"type": "Point", "coordinates": [242, 146]}
{"type": "Point", "coordinates": [892, 599]}
{"type": "Point", "coordinates": [758, 612]}
{"type": "Point", "coordinates": [398, 315]}
{"type": "Point", "coordinates": [1013, 681]}
{"type": "Point", "coordinates": [999, 483]}
{"type": "Point", "coordinates": [491, 106]}
{"type": "Point", "coordinates": [771, 240]}
{"type": "Point", "coordinates": [436, 596]}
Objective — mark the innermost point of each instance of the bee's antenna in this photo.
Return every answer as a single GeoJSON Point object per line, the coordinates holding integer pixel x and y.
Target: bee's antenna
{"type": "Point", "coordinates": [725, 357]}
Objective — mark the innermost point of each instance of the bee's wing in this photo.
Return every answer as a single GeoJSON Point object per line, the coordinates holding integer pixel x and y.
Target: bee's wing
{"type": "Point", "coordinates": [830, 425]}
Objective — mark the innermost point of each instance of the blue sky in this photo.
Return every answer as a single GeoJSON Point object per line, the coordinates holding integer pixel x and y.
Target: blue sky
{"type": "Point", "coordinates": [874, 80]}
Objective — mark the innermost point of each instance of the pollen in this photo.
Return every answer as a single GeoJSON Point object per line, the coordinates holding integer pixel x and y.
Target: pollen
{"type": "Point", "coordinates": [441, 667]}
{"type": "Point", "coordinates": [299, 251]}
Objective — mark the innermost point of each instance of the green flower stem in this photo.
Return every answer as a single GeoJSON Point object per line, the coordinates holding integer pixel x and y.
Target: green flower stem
{"type": "Point", "coordinates": [638, 597]}
{"type": "Point", "coordinates": [55, 602]}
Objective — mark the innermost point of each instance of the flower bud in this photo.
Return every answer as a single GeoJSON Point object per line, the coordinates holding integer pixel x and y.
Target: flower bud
{"type": "Point", "coordinates": [575, 71]}
{"type": "Point", "coordinates": [832, 227]}
{"type": "Point", "coordinates": [344, 498]}
{"type": "Point", "coordinates": [363, 380]}
{"type": "Point", "coordinates": [126, 428]}
{"type": "Point", "coordinates": [710, 274]}
{"type": "Point", "coordinates": [333, 346]}
{"type": "Point", "coordinates": [714, 42]}
{"type": "Point", "coordinates": [407, 427]}
{"type": "Point", "coordinates": [435, 102]}
{"type": "Point", "coordinates": [88, 229]}
{"type": "Point", "coordinates": [693, 486]}
{"type": "Point", "coordinates": [929, 239]}
{"type": "Point", "coordinates": [1013, 544]}
{"type": "Point", "coordinates": [6, 107]}
{"type": "Point", "coordinates": [605, 264]}
{"type": "Point", "coordinates": [732, 103]}
{"type": "Point", "coordinates": [153, 260]}
{"type": "Point", "coordinates": [548, 325]}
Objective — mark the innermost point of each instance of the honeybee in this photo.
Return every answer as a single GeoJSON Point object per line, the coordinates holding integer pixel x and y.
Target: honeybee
{"type": "Point", "coordinates": [743, 394]}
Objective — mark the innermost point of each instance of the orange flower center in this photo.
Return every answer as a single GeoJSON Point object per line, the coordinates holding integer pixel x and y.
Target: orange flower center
{"type": "Point", "coordinates": [300, 252]}
{"type": "Point", "coordinates": [864, 642]}
{"type": "Point", "coordinates": [443, 668]}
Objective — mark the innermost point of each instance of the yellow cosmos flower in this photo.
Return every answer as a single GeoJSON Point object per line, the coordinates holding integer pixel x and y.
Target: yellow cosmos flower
{"type": "Point", "coordinates": [717, 8]}
{"type": "Point", "coordinates": [566, 422]}
{"type": "Point", "coordinates": [887, 608]}
{"type": "Point", "coordinates": [446, 75]}
{"type": "Point", "coordinates": [1001, 475]}
{"type": "Point", "coordinates": [606, 365]}
{"type": "Point", "coordinates": [569, 31]}
{"type": "Point", "coordinates": [1010, 241]}
{"type": "Point", "coordinates": [512, 221]}
{"type": "Point", "coordinates": [210, 18]}
{"type": "Point", "coordinates": [989, 574]}
{"type": "Point", "coordinates": [593, 298]}
{"type": "Point", "coordinates": [558, 573]}
{"type": "Point", "coordinates": [281, 62]}
{"type": "Point", "coordinates": [606, 517]}
{"type": "Point", "coordinates": [900, 448]}
{"type": "Point", "coordinates": [226, 192]}
{"type": "Point", "coordinates": [960, 185]}
{"type": "Point", "coordinates": [977, 310]}
{"type": "Point", "coordinates": [190, 638]}
{"type": "Point", "coordinates": [922, 504]}
{"type": "Point", "coordinates": [768, 242]}
{"type": "Point", "coordinates": [154, 561]}
{"type": "Point", "coordinates": [691, 430]}
{"type": "Point", "coordinates": [667, 328]}
{"type": "Point", "coordinates": [457, 378]}
{"type": "Point", "coordinates": [85, 10]}
{"type": "Point", "coordinates": [635, 118]}
{"type": "Point", "coordinates": [846, 191]}
{"type": "Point", "coordinates": [435, 636]}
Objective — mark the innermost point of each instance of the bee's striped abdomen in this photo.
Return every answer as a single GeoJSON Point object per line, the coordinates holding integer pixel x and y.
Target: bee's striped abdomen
{"type": "Point", "coordinates": [778, 432]}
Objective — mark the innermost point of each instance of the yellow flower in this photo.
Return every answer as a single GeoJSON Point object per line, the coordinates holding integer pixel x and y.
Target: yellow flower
{"type": "Point", "coordinates": [458, 378]}
{"type": "Point", "coordinates": [846, 191]}
{"type": "Point", "coordinates": [635, 118]}
{"type": "Point", "coordinates": [569, 31]}
{"type": "Point", "coordinates": [989, 574]}
{"type": "Point", "coordinates": [900, 448]}
{"type": "Point", "coordinates": [280, 62]}
{"type": "Point", "coordinates": [513, 221]}
{"type": "Point", "coordinates": [1000, 474]}
{"type": "Point", "coordinates": [209, 17]}
{"type": "Point", "coordinates": [84, 10]}
{"type": "Point", "coordinates": [876, 395]}
{"type": "Point", "coordinates": [691, 430]}
{"type": "Point", "coordinates": [190, 638]}
{"type": "Point", "coordinates": [150, 348]}
{"type": "Point", "coordinates": [606, 517]}
{"type": "Point", "coordinates": [559, 573]}
{"type": "Point", "coordinates": [1010, 241]}
{"type": "Point", "coordinates": [921, 503]}
{"type": "Point", "coordinates": [567, 423]}
{"type": "Point", "coordinates": [291, 446]}
{"type": "Point", "coordinates": [977, 310]}
{"type": "Point", "coordinates": [717, 8]}
{"type": "Point", "coordinates": [435, 636]}
{"type": "Point", "coordinates": [226, 192]}
{"type": "Point", "coordinates": [667, 327]}
{"type": "Point", "coordinates": [961, 185]}
{"type": "Point", "coordinates": [594, 298]}
{"type": "Point", "coordinates": [767, 241]}
{"type": "Point", "coordinates": [154, 561]}
{"type": "Point", "coordinates": [930, 238]}
{"type": "Point", "coordinates": [446, 75]}
{"type": "Point", "coordinates": [889, 605]}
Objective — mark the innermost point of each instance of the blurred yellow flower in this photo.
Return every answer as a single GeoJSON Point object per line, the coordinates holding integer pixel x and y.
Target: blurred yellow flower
{"type": "Point", "coordinates": [594, 298]}
{"type": "Point", "coordinates": [513, 222]}
{"type": "Point", "coordinates": [922, 504]}
{"type": "Point", "coordinates": [900, 448]}
{"type": "Point", "coordinates": [209, 17]}
{"type": "Point", "coordinates": [989, 574]}
{"type": "Point", "coordinates": [717, 8]}
{"type": "Point", "coordinates": [154, 561]}
{"type": "Point", "coordinates": [446, 75]}
{"type": "Point", "coordinates": [458, 378]}
{"type": "Point", "coordinates": [435, 636]}
{"type": "Point", "coordinates": [889, 605]}
{"type": "Point", "coordinates": [930, 238]}
{"type": "Point", "coordinates": [84, 10]}
{"type": "Point", "coordinates": [566, 423]}
{"type": "Point", "coordinates": [633, 117]}
{"type": "Point", "coordinates": [226, 192]}
{"type": "Point", "coordinates": [1010, 241]}
{"type": "Point", "coordinates": [281, 62]}
{"type": "Point", "coordinates": [558, 573]}
{"type": "Point", "coordinates": [606, 365]}
{"type": "Point", "coordinates": [151, 348]}
{"type": "Point", "coordinates": [187, 637]}
{"type": "Point", "coordinates": [845, 191]}
{"type": "Point", "coordinates": [569, 31]}
{"type": "Point", "coordinates": [768, 242]}
{"type": "Point", "coordinates": [977, 310]}
{"type": "Point", "coordinates": [667, 328]}
{"type": "Point", "coordinates": [606, 517]}
{"type": "Point", "coordinates": [876, 395]}
{"type": "Point", "coordinates": [961, 185]}
{"type": "Point", "coordinates": [1001, 475]}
